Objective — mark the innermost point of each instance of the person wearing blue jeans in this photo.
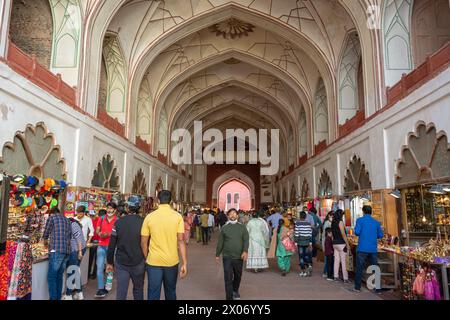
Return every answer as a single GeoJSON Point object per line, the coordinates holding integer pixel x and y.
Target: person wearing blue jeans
{"type": "Point", "coordinates": [368, 231]}
{"type": "Point", "coordinates": [57, 236]}
{"type": "Point", "coordinates": [159, 275]}
{"type": "Point", "coordinates": [361, 258]}
{"type": "Point", "coordinates": [56, 266]}
{"type": "Point", "coordinates": [101, 262]}
{"type": "Point", "coordinates": [74, 261]}
{"type": "Point", "coordinates": [305, 257]}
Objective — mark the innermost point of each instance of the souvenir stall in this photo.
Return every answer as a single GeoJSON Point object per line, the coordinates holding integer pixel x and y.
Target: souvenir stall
{"type": "Point", "coordinates": [25, 260]}
{"type": "Point", "coordinates": [422, 196]}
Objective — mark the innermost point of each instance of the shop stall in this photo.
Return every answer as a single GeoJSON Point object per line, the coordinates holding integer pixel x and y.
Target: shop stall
{"type": "Point", "coordinates": [24, 261]}
{"type": "Point", "coordinates": [425, 211]}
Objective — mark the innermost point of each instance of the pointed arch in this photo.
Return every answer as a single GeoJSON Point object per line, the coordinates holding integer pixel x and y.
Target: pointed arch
{"type": "Point", "coordinates": [116, 71]}
{"type": "Point", "coordinates": [348, 91]}
{"type": "Point", "coordinates": [321, 128]}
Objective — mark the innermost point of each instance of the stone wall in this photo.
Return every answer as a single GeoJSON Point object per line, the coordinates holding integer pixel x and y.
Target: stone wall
{"type": "Point", "coordinates": [32, 27]}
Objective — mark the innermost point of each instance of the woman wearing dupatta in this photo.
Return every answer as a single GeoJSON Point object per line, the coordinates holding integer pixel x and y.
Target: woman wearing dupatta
{"type": "Point", "coordinates": [259, 240]}
{"type": "Point", "coordinates": [277, 248]}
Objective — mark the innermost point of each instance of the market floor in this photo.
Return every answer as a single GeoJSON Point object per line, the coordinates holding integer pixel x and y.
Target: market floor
{"type": "Point", "coordinates": [205, 282]}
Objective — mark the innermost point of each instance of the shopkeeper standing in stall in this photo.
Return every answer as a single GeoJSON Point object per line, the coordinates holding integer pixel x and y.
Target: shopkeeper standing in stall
{"type": "Point", "coordinates": [368, 231]}
{"type": "Point", "coordinates": [59, 230]}
{"type": "Point", "coordinates": [104, 230]}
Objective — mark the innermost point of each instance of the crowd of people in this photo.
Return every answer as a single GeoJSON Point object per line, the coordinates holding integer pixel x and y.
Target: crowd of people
{"type": "Point", "coordinates": [124, 244]}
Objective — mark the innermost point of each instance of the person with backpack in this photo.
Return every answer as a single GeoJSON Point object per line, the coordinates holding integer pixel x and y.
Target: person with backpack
{"type": "Point", "coordinates": [316, 227]}
{"type": "Point", "coordinates": [104, 230]}
{"type": "Point", "coordinates": [303, 236]}
{"type": "Point", "coordinates": [78, 249]}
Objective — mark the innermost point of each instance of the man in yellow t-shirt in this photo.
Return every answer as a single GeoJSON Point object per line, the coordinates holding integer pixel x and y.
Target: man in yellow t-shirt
{"type": "Point", "coordinates": [164, 229]}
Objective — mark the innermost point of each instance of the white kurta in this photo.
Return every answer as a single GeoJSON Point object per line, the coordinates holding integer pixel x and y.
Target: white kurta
{"type": "Point", "coordinates": [258, 231]}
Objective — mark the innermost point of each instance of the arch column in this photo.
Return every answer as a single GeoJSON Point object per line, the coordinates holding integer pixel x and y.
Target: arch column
{"type": "Point", "coordinates": [5, 16]}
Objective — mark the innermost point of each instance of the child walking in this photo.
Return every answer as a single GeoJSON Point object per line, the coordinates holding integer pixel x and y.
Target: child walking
{"type": "Point", "coordinates": [329, 253]}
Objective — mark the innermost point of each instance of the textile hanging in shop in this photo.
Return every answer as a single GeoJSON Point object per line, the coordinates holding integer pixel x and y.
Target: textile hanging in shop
{"type": "Point", "coordinates": [6, 266]}
{"type": "Point", "coordinates": [21, 277]}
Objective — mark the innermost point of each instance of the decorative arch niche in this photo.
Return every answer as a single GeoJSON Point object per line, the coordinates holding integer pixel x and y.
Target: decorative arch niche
{"type": "Point", "coordinates": [293, 194]}
{"type": "Point", "coordinates": [357, 177]}
{"type": "Point", "coordinates": [181, 196]}
{"type": "Point", "coordinates": [348, 78]}
{"type": "Point", "coordinates": [320, 114]}
{"type": "Point", "coordinates": [426, 157]}
{"type": "Point", "coordinates": [159, 186]}
{"type": "Point", "coordinates": [106, 175]}
{"type": "Point", "coordinates": [325, 188]}
{"type": "Point", "coordinates": [305, 189]}
{"type": "Point", "coordinates": [139, 183]}
{"type": "Point", "coordinates": [34, 152]}
{"type": "Point", "coordinates": [116, 74]}
{"type": "Point", "coordinates": [172, 191]}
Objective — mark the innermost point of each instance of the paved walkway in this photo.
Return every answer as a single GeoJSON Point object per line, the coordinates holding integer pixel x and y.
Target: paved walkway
{"type": "Point", "coordinates": [205, 282]}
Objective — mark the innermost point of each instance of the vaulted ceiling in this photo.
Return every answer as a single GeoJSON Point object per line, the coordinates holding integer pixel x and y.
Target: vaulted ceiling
{"type": "Point", "coordinates": [254, 62]}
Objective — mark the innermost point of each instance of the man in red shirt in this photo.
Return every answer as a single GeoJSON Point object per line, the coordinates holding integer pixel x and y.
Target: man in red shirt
{"type": "Point", "coordinates": [104, 228]}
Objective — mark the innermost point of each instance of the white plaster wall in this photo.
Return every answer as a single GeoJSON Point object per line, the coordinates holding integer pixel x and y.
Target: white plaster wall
{"type": "Point", "coordinates": [378, 143]}
{"type": "Point", "coordinates": [82, 140]}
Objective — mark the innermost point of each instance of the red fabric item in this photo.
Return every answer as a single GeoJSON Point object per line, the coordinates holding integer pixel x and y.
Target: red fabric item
{"type": "Point", "coordinates": [94, 224]}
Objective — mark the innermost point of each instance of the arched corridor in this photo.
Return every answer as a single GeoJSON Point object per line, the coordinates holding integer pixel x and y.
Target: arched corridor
{"type": "Point", "coordinates": [271, 107]}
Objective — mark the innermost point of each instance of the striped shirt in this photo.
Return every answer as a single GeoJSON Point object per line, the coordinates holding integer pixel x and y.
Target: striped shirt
{"type": "Point", "coordinates": [59, 231]}
{"type": "Point", "coordinates": [77, 236]}
{"type": "Point", "coordinates": [303, 230]}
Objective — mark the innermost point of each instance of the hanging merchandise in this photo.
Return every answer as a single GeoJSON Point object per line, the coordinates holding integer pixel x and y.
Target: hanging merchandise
{"type": "Point", "coordinates": [93, 199]}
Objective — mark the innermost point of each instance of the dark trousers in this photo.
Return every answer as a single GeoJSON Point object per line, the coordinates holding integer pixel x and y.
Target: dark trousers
{"type": "Point", "coordinates": [314, 249]}
{"type": "Point", "coordinates": [92, 261]}
{"type": "Point", "coordinates": [330, 266]}
{"type": "Point", "coordinates": [232, 269]}
{"type": "Point", "coordinates": [158, 276]}
{"type": "Point", "coordinates": [124, 274]}
{"type": "Point", "coordinates": [210, 232]}
{"type": "Point", "coordinates": [205, 234]}
{"type": "Point", "coordinates": [305, 256]}
{"type": "Point", "coordinates": [361, 258]}
{"type": "Point", "coordinates": [56, 266]}
{"type": "Point", "coordinates": [73, 261]}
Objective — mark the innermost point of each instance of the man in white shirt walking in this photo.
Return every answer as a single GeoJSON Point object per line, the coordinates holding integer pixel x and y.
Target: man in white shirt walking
{"type": "Point", "coordinates": [211, 223]}
{"type": "Point", "coordinates": [86, 223]}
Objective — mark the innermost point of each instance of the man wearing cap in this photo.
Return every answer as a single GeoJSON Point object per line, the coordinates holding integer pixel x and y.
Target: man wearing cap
{"type": "Point", "coordinates": [104, 230]}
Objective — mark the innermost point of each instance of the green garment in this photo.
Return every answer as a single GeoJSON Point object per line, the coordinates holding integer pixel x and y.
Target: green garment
{"type": "Point", "coordinates": [284, 263]}
{"type": "Point", "coordinates": [283, 256]}
{"type": "Point", "coordinates": [233, 241]}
